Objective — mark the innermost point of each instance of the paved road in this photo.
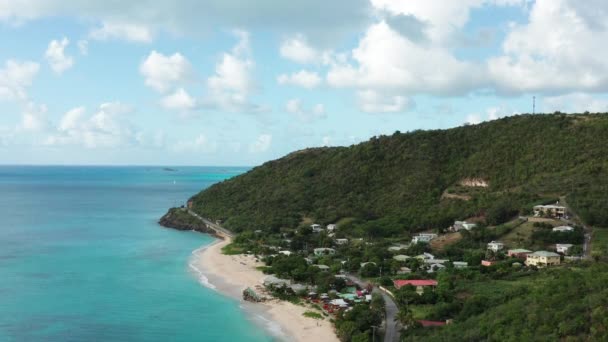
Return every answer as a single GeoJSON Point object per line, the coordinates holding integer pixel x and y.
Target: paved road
{"type": "Point", "coordinates": [588, 230]}
{"type": "Point", "coordinates": [393, 329]}
{"type": "Point", "coordinates": [211, 225]}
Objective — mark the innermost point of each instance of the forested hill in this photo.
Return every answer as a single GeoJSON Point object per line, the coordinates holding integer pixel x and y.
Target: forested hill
{"type": "Point", "coordinates": [425, 179]}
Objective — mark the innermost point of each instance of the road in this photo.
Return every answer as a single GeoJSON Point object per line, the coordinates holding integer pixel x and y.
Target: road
{"type": "Point", "coordinates": [393, 329]}
{"type": "Point", "coordinates": [211, 225]}
{"type": "Point", "coordinates": [588, 230]}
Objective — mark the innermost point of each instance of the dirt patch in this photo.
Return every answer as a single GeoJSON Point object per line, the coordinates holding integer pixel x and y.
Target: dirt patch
{"type": "Point", "coordinates": [439, 243]}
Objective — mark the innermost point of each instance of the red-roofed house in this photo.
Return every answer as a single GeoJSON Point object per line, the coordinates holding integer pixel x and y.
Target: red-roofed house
{"type": "Point", "coordinates": [419, 284]}
{"type": "Point", "coordinates": [427, 324]}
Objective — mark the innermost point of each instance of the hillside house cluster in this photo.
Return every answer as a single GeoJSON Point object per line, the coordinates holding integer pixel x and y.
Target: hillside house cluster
{"type": "Point", "coordinates": [317, 228]}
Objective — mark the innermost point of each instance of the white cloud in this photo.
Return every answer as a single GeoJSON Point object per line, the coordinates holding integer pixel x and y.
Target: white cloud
{"type": "Point", "coordinates": [179, 100]}
{"type": "Point", "coordinates": [163, 73]}
{"type": "Point", "coordinates": [575, 103]}
{"type": "Point", "coordinates": [232, 84]}
{"type": "Point", "coordinates": [122, 30]}
{"type": "Point", "coordinates": [34, 118]}
{"type": "Point", "coordinates": [106, 128]}
{"type": "Point", "coordinates": [298, 50]}
{"type": "Point", "coordinates": [302, 78]}
{"type": "Point", "coordinates": [261, 144]}
{"type": "Point", "coordinates": [15, 78]}
{"type": "Point", "coordinates": [55, 55]}
{"type": "Point", "coordinates": [491, 113]}
{"type": "Point", "coordinates": [295, 107]}
{"type": "Point", "coordinates": [371, 101]}
{"type": "Point", "coordinates": [559, 50]}
{"type": "Point", "coordinates": [386, 60]}
{"type": "Point", "coordinates": [200, 144]}
{"type": "Point", "coordinates": [83, 47]}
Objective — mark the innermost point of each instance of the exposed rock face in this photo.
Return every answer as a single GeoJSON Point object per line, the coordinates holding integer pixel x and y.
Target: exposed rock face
{"type": "Point", "coordinates": [179, 219]}
{"type": "Point", "coordinates": [475, 182]}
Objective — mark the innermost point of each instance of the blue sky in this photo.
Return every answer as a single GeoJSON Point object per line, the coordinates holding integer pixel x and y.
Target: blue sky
{"type": "Point", "coordinates": [234, 83]}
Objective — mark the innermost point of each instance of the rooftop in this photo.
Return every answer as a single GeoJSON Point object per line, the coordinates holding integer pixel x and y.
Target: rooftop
{"type": "Point", "coordinates": [544, 254]}
{"type": "Point", "coordinates": [415, 282]}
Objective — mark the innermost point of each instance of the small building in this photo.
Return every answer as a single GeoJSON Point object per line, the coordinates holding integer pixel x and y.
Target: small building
{"type": "Point", "coordinates": [563, 229]}
{"type": "Point", "coordinates": [425, 256]}
{"type": "Point", "coordinates": [423, 237]}
{"type": "Point", "coordinates": [317, 228]}
{"type": "Point", "coordinates": [287, 253]}
{"type": "Point", "coordinates": [518, 253]}
{"type": "Point", "coordinates": [563, 247]}
{"type": "Point", "coordinates": [435, 261]}
{"type": "Point", "coordinates": [419, 284]}
{"type": "Point", "coordinates": [460, 264]}
{"type": "Point", "coordinates": [542, 259]}
{"type": "Point", "coordinates": [460, 225]}
{"type": "Point", "coordinates": [324, 251]}
{"type": "Point", "coordinates": [488, 263]}
{"type": "Point", "coordinates": [332, 227]}
{"type": "Point", "coordinates": [397, 247]}
{"type": "Point", "coordinates": [322, 267]}
{"type": "Point", "coordinates": [435, 268]}
{"type": "Point", "coordinates": [404, 270]}
{"type": "Point", "coordinates": [496, 246]}
{"type": "Point", "coordinates": [272, 281]}
{"type": "Point", "coordinates": [556, 211]}
{"type": "Point", "coordinates": [401, 257]}
{"type": "Point", "coordinates": [341, 242]}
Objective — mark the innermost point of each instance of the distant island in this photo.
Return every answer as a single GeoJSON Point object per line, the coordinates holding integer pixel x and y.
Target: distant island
{"type": "Point", "coordinates": [483, 232]}
{"type": "Point", "coordinates": [168, 169]}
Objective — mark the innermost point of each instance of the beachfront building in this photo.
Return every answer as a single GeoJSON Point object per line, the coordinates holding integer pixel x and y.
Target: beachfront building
{"type": "Point", "coordinates": [419, 284]}
{"type": "Point", "coordinates": [542, 259]}
{"type": "Point", "coordinates": [556, 211]}
{"type": "Point", "coordinates": [518, 253]}
{"type": "Point", "coordinates": [324, 251]}
{"type": "Point", "coordinates": [563, 247]}
{"type": "Point", "coordinates": [460, 225]}
{"type": "Point", "coordinates": [273, 282]}
{"type": "Point", "coordinates": [423, 237]}
{"type": "Point", "coordinates": [496, 246]}
{"type": "Point", "coordinates": [563, 229]}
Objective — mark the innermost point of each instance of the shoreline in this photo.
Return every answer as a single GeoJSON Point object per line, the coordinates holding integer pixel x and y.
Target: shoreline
{"type": "Point", "coordinates": [231, 274]}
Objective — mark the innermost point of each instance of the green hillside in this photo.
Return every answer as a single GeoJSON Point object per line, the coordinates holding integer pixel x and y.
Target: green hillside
{"type": "Point", "coordinates": [392, 185]}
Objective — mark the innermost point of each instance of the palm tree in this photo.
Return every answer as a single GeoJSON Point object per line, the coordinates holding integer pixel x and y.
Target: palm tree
{"type": "Point", "coordinates": [406, 318]}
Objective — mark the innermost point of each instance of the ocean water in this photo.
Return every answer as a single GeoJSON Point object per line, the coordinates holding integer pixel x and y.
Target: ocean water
{"type": "Point", "coordinates": [83, 259]}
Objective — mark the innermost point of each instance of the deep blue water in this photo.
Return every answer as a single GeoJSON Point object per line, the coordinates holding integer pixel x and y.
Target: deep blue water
{"type": "Point", "coordinates": [83, 259]}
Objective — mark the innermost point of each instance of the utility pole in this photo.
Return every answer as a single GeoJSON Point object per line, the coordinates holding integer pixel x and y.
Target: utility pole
{"type": "Point", "coordinates": [374, 333]}
{"type": "Point", "coordinates": [533, 104]}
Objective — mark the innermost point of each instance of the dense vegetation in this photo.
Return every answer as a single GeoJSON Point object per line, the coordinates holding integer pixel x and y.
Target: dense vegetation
{"type": "Point", "coordinates": [392, 185]}
{"type": "Point", "coordinates": [567, 304]}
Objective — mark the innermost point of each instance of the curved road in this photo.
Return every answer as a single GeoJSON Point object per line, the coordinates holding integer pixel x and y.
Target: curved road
{"type": "Point", "coordinates": [393, 329]}
{"type": "Point", "coordinates": [216, 227]}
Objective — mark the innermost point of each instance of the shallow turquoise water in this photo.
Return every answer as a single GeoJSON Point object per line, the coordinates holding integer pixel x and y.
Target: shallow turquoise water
{"type": "Point", "coordinates": [83, 259]}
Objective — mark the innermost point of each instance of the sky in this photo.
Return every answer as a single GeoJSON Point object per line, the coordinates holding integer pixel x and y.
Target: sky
{"type": "Point", "coordinates": [227, 82]}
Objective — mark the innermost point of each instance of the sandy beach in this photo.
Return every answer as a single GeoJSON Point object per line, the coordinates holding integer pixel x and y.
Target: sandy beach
{"type": "Point", "coordinates": [230, 274]}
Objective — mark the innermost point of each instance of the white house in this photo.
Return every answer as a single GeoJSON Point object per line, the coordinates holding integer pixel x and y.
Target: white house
{"type": "Point", "coordinates": [460, 264]}
{"type": "Point", "coordinates": [288, 253]}
{"type": "Point", "coordinates": [398, 247]}
{"type": "Point", "coordinates": [322, 267]}
{"type": "Point", "coordinates": [404, 270]}
{"type": "Point", "coordinates": [341, 241]}
{"type": "Point", "coordinates": [551, 210]}
{"type": "Point", "coordinates": [425, 256]}
{"type": "Point", "coordinates": [460, 225]}
{"type": "Point", "coordinates": [435, 268]}
{"type": "Point", "coordinates": [496, 246]}
{"type": "Point", "coordinates": [332, 227]}
{"type": "Point", "coordinates": [316, 228]}
{"type": "Point", "coordinates": [562, 247]}
{"type": "Point", "coordinates": [435, 261]}
{"type": "Point", "coordinates": [563, 229]}
{"type": "Point", "coordinates": [424, 237]}
{"type": "Point", "coordinates": [401, 257]}
{"type": "Point", "coordinates": [324, 251]}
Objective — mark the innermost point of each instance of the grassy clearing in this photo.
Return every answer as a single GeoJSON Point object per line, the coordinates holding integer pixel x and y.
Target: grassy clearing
{"type": "Point", "coordinates": [599, 243]}
{"type": "Point", "coordinates": [519, 236]}
{"type": "Point", "coordinates": [232, 249]}
{"type": "Point", "coordinates": [421, 311]}
{"type": "Point", "coordinates": [312, 314]}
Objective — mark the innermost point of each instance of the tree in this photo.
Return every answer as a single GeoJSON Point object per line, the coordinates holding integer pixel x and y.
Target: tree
{"type": "Point", "coordinates": [405, 316]}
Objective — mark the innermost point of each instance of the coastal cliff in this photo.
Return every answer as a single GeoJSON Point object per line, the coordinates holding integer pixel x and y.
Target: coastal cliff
{"type": "Point", "coordinates": [177, 218]}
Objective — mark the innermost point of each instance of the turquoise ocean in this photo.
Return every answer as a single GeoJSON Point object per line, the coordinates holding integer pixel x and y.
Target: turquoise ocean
{"type": "Point", "coordinates": [82, 258]}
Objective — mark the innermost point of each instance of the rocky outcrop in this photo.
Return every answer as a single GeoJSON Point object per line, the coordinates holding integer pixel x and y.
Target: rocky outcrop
{"type": "Point", "coordinates": [178, 218]}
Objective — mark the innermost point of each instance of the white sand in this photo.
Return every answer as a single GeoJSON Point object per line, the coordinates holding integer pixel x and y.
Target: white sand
{"type": "Point", "coordinates": [231, 274]}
